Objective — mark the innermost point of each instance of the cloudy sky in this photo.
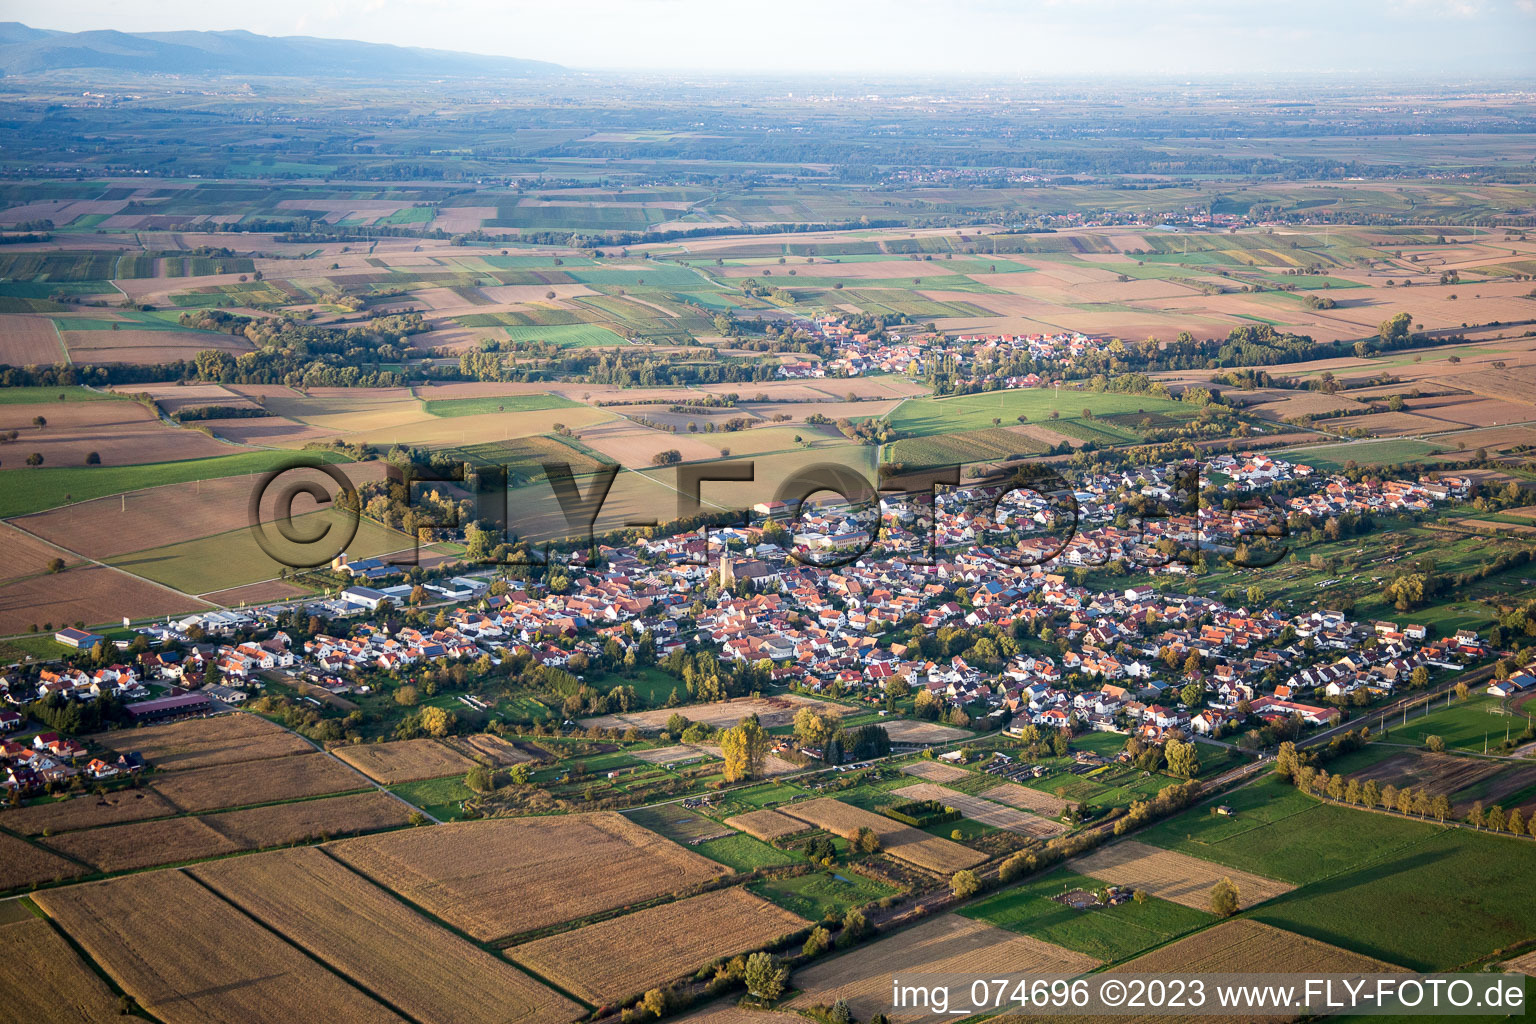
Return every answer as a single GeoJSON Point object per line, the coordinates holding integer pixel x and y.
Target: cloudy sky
{"type": "Point", "coordinates": [1024, 37]}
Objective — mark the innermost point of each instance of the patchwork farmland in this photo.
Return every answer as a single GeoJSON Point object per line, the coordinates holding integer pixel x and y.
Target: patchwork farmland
{"type": "Point", "coordinates": [603, 963]}
{"type": "Point", "coordinates": [503, 877]}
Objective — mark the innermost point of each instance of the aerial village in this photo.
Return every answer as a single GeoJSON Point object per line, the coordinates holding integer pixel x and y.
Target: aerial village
{"type": "Point", "coordinates": [1144, 660]}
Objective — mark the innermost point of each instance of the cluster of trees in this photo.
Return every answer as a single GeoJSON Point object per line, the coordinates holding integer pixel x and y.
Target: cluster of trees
{"type": "Point", "coordinates": [745, 748]}
{"type": "Point", "coordinates": [818, 729]}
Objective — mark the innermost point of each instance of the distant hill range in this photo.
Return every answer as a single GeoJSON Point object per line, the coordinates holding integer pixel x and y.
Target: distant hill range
{"type": "Point", "coordinates": [28, 51]}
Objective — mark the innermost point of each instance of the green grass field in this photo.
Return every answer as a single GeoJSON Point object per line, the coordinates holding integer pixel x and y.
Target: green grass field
{"type": "Point", "coordinates": [1447, 900]}
{"type": "Point", "coordinates": [32, 490]}
{"type": "Point", "coordinates": [743, 853]}
{"type": "Point", "coordinates": [29, 396]}
{"type": "Point", "coordinates": [448, 407]}
{"type": "Point", "coordinates": [1411, 892]}
{"type": "Point", "coordinates": [1109, 933]}
{"type": "Point", "coordinates": [438, 797]}
{"type": "Point", "coordinates": [566, 335]}
{"type": "Point", "coordinates": [921, 417]}
{"type": "Point", "coordinates": [989, 445]}
{"type": "Point", "coordinates": [822, 893]}
{"type": "Point", "coordinates": [1464, 725]}
{"type": "Point", "coordinates": [1363, 453]}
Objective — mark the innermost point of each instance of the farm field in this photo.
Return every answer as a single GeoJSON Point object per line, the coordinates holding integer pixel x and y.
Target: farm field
{"type": "Point", "coordinates": [505, 876]}
{"type": "Point", "coordinates": [24, 864]}
{"type": "Point", "coordinates": [222, 739]}
{"type": "Point", "coordinates": [44, 979]}
{"type": "Point", "coordinates": [404, 760]}
{"type": "Point", "coordinates": [144, 844]}
{"type": "Point", "coordinates": [820, 893]}
{"type": "Point", "coordinates": [771, 712]}
{"type": "Point", "coordinates": [493, 749]}
{"type": "Point", "coordinates": [38, 489]}
{"type": "Point", "coordinates": [222, 561]}
{"type": "Point", "coordinates": [1361, 875]}
{"type": "Point", "coordinates": [1026, 798]}
{"type": "Point", "coordinates": [1110, 934]}
{"type": "Point", "coordinates": [935, 771]}
{"type": "Point", "coordinates": [379, 943]}
{"type": "Point", "coordinates": [728, 1013]}
{"type": "Point", "coordinates": [1278, 832]}
{"type": "Point", "coordinates": [921, 417]}
{"type": "Point", "coordinates": [1172, 876]}
{"type": "Point", "coordinates": [1463, 779]}
{"type": "Point", "coordinates": [243, 973]}
{"type": "Point", "coordinates": [679, 824]}
{"type": "Point", "coordinates": [91, 594]}
{"type": "Point", "coordinates": [510, 403]}
{"type": "Point", "coordinates": [1244, 946]}
{"type": "Point", "coordinates": [1381, 907]}
{"type": "Point", "coordinates": [304, 820]}
{"type": "Point", "coordinates": [122, 433]}
{"type": "Point", "coordinates": [603, 962]}
{"type": "Point", "coordinates": [767, 824]}
{"type": "Point", "coordinates": [743, 853]}
{"type": "Point", "coordinates": [947, 944]}
{"type": "Point", "coordinates": [985, 811]}
{"type": "Point", "coordinates": [901, 841]}
{"type": "Point", "coordinates": [86, 811]}
{"type": "Point", "coordinates": [121, 524]}
{"type": "Point", "coordinates": [915, 731]}
{"type": "Point", "coordinates": [288, 778]}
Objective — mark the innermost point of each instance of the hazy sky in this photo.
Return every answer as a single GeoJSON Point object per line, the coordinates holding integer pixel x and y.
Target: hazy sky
{"type": "Point", "coordinates": [1043, 37]}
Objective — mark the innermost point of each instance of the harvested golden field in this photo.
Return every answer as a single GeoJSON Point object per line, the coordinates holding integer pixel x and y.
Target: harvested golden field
{"type": "Point", "coordinates": [506, 876]}
{"type": "Point", "coordinates": [935, 771]}
{"type": "Point", "coordinates": [288, 778]}
{"type": "Point", "coordinates": [144, 844]}
{"type": "Point", "coordinates": [87, 811]}
{"type": "Point", "coordinates": [985, 811]}
{"type": "Point", "coordinates": [123, 433]}
{"type": "Point", "coordinates": [175, 840]}
{"type": "Point", "coordinates": [901, 841]}
{"type": "Point", "coordinates": [22, 864]}
{"type": "Point", "coordinates": [364, 933]}
{"type": "Point", "coordinates": [947, 944]}
{"type": "Point", "coordinates": [222, 739]}
{"type": "Point", "coordinates": [767, 825]}
{"type": "Point", "coordinates": [915, 731]}
{"type": "Point", "coordinates": [281, 824]}
{"type": "Point", "coordinates": [189, 957]}
{"type": "Point", "coordinates": [404, 760]}
{"type": "Point", "coordinates": [625, 956]}
{"type": "Point", "coordinates": [771, 712]}
{"type": "Point", "coordinates": [1176, 877]}
{"type": "Point", "coordinates": [1028, 799]}
{"type": "Point", "coordinates": [44, 980]}
{"type": "Point", "coordinates": [92, 594]}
